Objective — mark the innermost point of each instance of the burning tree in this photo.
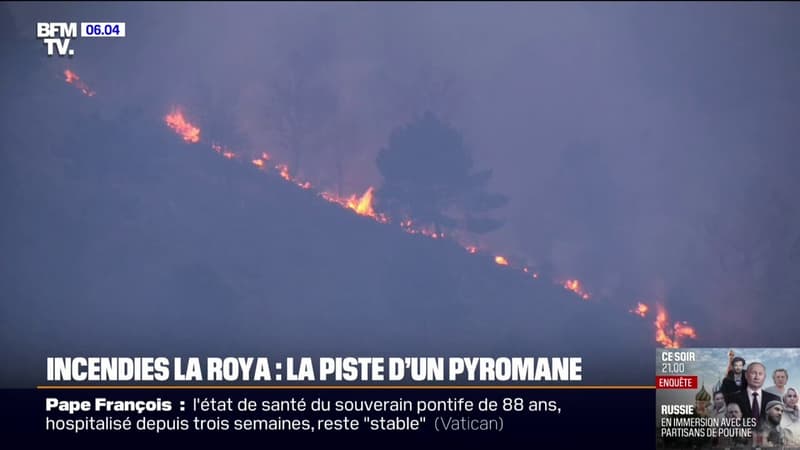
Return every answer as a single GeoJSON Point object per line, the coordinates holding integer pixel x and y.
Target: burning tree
{"type": "Point", "coordinates": [428, 177]}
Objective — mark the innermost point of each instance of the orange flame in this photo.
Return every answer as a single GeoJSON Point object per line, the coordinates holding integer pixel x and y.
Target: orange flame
{"type": "Point", "coordinates": [408, 226]}
{"type": "Point", "coordinates": [283, 169]}
{"type": "Point", "coordinates": [73, 79]}
{"type": "Point", "coordinates": [223, 151]}
{"type": "Point", "coordinates": [177, 122]}
{"type": "Point", "coordinates": [360, 205]}
{"type": "Point", "coordinates": [682, 329]}
{"type": "Point", "coordinates": [641, 309]}
{"type": "Point", "coordinates": [671, 337]}
{"type": "Point", "coordinates": [364, 205]}
{"type": "Point", "coordinates": [575, 286]}
{"type": "Point", "coordinates": [661, 335]}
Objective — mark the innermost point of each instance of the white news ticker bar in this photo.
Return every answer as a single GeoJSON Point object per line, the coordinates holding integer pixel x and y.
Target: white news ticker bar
{"type": "Point", "coordinates": [106, 29]}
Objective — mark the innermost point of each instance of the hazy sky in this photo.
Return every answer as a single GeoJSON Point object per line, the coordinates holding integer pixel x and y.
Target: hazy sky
{"type": "Point", "coordinates": [647, 149]}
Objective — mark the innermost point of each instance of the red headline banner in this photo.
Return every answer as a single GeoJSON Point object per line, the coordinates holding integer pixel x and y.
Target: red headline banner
{"type": "Point", "coordinates": [676, 382]}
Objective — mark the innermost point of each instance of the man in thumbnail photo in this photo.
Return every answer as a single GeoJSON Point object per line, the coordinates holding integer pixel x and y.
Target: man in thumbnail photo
{"type": "Point", "coordinates": [753, 400]}
{"type": "Point", "coordinates": [735, 380]}
{"type": "Point", "coordinates": [732, 411]}
{"type": "Point", "coordinates": [770, 433]}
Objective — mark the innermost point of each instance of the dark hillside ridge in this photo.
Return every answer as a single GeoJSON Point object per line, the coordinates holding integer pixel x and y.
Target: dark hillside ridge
{"type": "Point", "coordinates": [123, 240]}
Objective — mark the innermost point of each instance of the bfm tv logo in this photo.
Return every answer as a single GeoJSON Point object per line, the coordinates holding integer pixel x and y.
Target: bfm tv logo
{"type": "Point", "coordinates": [56, 36]}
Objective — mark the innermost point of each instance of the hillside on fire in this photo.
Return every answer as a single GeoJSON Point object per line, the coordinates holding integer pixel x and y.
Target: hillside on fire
{"type": "Point", "coordinates": [127, 240]}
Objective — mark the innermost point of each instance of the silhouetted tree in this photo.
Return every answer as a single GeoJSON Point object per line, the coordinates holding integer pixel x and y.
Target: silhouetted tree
{"type": "Point", "coordinates": [429, 178]}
